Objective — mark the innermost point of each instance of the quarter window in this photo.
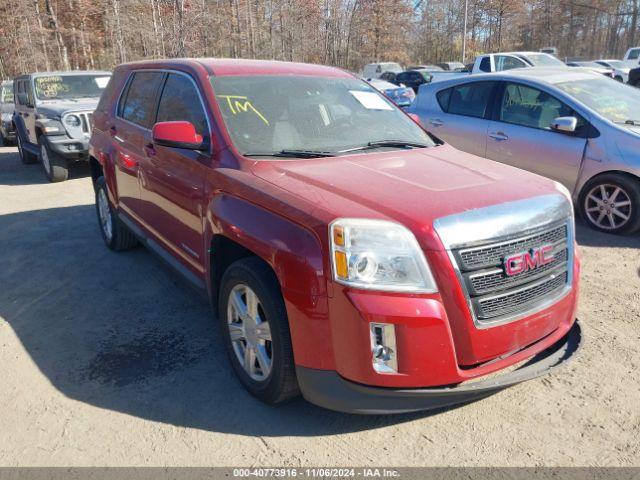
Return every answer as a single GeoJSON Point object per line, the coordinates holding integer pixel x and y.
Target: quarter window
{"type": "Point", "coordinates": [138, 107]}
{"type": "Point", "coordinates": [443, 97]}
{"type": "Point", "coordinates": [180, 102]}
{"type": "Point", "coordinates": [485, 64]}
{"type": "Point", "coordinates": [530, 107]}
{"type": "Point", "coordinates": [471, 99]}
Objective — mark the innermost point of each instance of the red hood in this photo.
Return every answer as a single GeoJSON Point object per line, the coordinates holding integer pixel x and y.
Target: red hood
{"type": "Point", "coordinates": [413, 187]}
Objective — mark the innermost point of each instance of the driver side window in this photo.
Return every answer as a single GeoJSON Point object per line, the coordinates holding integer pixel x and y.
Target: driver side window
{"type": "Point", "coordinates": [530, 107]}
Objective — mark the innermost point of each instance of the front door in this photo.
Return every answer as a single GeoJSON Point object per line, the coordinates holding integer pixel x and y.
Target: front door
{"type": "Point", "coordinates": [173, 178]}
{"type": "Point", "coordinates": [521, 136]}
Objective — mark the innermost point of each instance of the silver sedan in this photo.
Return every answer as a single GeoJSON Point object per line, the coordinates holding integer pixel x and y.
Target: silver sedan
{"type": "Point", "coordinates": [574, 126]}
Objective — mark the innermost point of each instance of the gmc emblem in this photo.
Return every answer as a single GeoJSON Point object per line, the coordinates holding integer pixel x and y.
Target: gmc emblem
{"type": "Point", "coordinates": [523, 262]}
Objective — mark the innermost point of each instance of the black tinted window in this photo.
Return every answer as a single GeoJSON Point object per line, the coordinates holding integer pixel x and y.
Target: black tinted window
{"type": "Point", "coordinates": [180, 102]}
{"type": "Point", "coordinates": [443, 97]}
{"type": "Point", "coordinates": [138, 107]}
{"type": "Point", "coordinates": [485, 64]}
{"type": "Point", "coordinates": [471, 99]}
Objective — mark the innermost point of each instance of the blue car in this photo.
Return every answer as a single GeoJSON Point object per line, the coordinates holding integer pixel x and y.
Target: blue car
{"type": "Point", "coordinates": [400, 95]}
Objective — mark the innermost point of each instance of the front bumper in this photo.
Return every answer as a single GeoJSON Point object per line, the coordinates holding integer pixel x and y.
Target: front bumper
{"type": "Point", "coordinates": [327, 389]}
{"type": "Point", "coordinates": [69, 148]}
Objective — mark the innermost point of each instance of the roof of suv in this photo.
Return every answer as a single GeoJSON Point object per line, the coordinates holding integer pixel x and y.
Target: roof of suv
{"type": "Point", "coordinates": [234, 66]}
{"type": "Point", "coordinates": [61, 73]}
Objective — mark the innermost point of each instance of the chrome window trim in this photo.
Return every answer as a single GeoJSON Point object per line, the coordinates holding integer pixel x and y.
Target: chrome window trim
{"type": "Point", "coordinates": [162, 70]}
{"type": "Point", "coordinates": [491, 225]}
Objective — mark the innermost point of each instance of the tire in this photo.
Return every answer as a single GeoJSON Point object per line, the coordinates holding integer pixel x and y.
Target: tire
{"type": "Point", "coordinates": [276, 383]}
{"type": "Point", "coordinates": [596, 203]}
{"type": "Point", "coordinates": [115, 234]}
{"type": "Point", "coordinates": [26, 157]}
{"type": "Point", "coordinates": [55, 167]}
{"type": "Point", "coordinates": [619, 79]}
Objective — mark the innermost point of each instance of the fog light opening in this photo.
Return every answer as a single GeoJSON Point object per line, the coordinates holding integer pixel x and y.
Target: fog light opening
{"type": "Point", "coordinates": [383, 348]}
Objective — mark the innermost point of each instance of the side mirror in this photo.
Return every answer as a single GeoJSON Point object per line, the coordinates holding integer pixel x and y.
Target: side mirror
{"type": "Point", "coordinates": [564, 124]}
{"type": "Point", "coordinates": [177, 135]}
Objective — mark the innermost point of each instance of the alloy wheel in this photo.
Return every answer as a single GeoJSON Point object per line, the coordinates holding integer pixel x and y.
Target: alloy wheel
{"type": "Point", "coordinates": [608, 206]}
{"type": "Point", "coordinates": [250, 333]}
{"type": "Point", "coordinates": [104, 212]}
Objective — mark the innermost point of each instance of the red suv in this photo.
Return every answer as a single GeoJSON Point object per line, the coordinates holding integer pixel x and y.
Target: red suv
{"type": "Point", "coordinates": [349, 255]}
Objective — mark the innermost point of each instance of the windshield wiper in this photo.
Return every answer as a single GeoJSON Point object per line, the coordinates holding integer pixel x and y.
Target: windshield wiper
{"type": "Point", "coordinates": [386, 143]}
{"type": "Point", "coordinates": [291, 154]}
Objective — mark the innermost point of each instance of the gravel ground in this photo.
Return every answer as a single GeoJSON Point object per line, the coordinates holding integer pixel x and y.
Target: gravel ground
{"type": "Point", "coordinates": [108, 359]}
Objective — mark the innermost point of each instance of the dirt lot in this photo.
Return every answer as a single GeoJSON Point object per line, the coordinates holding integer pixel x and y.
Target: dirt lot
{"type": "Point", "coordinates": [108, 359]}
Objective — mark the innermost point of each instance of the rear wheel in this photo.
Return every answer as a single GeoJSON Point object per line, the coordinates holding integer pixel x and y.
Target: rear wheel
{"type": "Point", "coordinates": [619, 78]}
{"type": "Point", "coordinates": [255, 327]}
{"type": "Point", "coordinates": [55, 168]}
{"type": "Point", "coordinates": [115, 234]}
{"type": "Point", "coordinates": [611, 203]}
{"type": "Point", "coordinates": [25, 156]}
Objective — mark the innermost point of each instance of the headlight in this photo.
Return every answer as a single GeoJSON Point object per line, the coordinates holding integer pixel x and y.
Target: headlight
{"type": "Point", "coordinates": [72, 121]}
{"type": "Point", "coordinates": [378, 255]}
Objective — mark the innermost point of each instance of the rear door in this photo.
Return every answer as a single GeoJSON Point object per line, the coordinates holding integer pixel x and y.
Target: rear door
{"type": "Point", "coordinates": [464, 120]}
{"type": "Point", "coordinates": [173, 178]}
{"type": "Point", "coordinates": [521, 136]}
{"type": "Point", "coordinates": [130, 132]}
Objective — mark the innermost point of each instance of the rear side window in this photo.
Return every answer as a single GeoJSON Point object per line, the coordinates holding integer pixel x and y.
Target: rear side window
{"type": "Point", "coordinates": [505, 62]}
{"type": "Point", "coordinates": [485, 64]}
{"type": "Point", "coordinates": [443, 97]}
{"type": "Point", "coordinates": [180, 102]}
{"type": "Point", "coordinates": [138, 106]}
{"type": "Point", "coordinates": [471, 99]}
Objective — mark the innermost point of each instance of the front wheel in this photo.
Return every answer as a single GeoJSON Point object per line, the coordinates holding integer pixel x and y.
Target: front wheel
{"type": "Point", "coordinates": [611, 203]}
{"type": "Point", "coordinates": [255, 328]}
{"type": "Point", "coordinates": [55, 168]}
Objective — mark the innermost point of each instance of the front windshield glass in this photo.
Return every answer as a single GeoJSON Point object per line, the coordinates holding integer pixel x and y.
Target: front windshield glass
{"type": "Point", "coordinates": [613, 100]}
{"type": "Point", "coordinates": [544, 60]}
{"type": "Point", "coordinates": [66, 87]}
{"type": "Point", "coordinates": [7, 94]}
{"type": "Point", "coordinates": [268, 114]}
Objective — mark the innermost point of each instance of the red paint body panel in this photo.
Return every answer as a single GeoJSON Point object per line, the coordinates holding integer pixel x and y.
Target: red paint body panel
{"type": "Point", "coordinates": [280, 210]}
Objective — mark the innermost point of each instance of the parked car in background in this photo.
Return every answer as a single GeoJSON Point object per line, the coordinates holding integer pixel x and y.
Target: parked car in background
{"type": "Point", "coordinates": [412, 78]}
{"type": "Point", "coordinates": [52, 117]}
{"type": "Point", "coordinates": [550, 50]}
{"type": "Point", "coordinates": [593, 66]}
{"type": "Point", "coordinates": [400, 95]}
{"type": "Point", "coordinates": [452, 66]}
{"type": "Point", "coordinates": [7, 132]}
{"type": "Point", "coordinates": [499, 62]}
{"type": "Point", "coordinates": [375, 70]}
{"type": "Point", "coordinates": [574, 126]}
{"type": "Point", "coordinates": [610, 63]}
{"type": "Point", "coordinates": [432, 68]}
{"type": "Point", "coordinates": [349, 256]}
{"type": "Point", "coordinates": [630, 60]}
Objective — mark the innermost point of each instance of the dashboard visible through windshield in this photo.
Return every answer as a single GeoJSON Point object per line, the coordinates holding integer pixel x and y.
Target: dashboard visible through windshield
{"type": "Point", "coordinates": [312, 116]}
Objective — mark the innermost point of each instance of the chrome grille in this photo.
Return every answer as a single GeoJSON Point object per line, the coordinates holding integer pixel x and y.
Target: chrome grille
{"type": "Point", "coordinates": [491, 256]}
{"type": "Point", "coordinates": [493, 295]}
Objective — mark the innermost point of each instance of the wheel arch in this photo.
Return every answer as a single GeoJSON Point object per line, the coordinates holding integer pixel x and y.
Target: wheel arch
{"type": "Point", "coordinates": [583, 185]}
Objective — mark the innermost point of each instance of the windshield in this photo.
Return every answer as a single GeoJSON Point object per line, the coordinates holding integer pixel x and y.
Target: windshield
{"type": "Point", "coordinates": [266, 114]}
{"type": "Point", "coordinates": [613, 100]}
{"type": "Point", "coordinates": [544, 60]}
{"type": "Point", "coordinates": [6, 95]}
{"type": "Point", "coordinates": [66, 87]}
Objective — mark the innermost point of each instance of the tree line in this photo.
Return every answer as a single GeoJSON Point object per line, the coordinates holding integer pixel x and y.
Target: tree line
{"type": "Point", "coordinates": [39, 35]}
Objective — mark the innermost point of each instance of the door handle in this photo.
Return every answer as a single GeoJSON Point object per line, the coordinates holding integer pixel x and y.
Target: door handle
{"type": "Point", "coordinates": [149, 150]}
{"type": "Point", "coordinates": [499, 136]}
{"type": "Point", "coordinates": [436, 122]}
